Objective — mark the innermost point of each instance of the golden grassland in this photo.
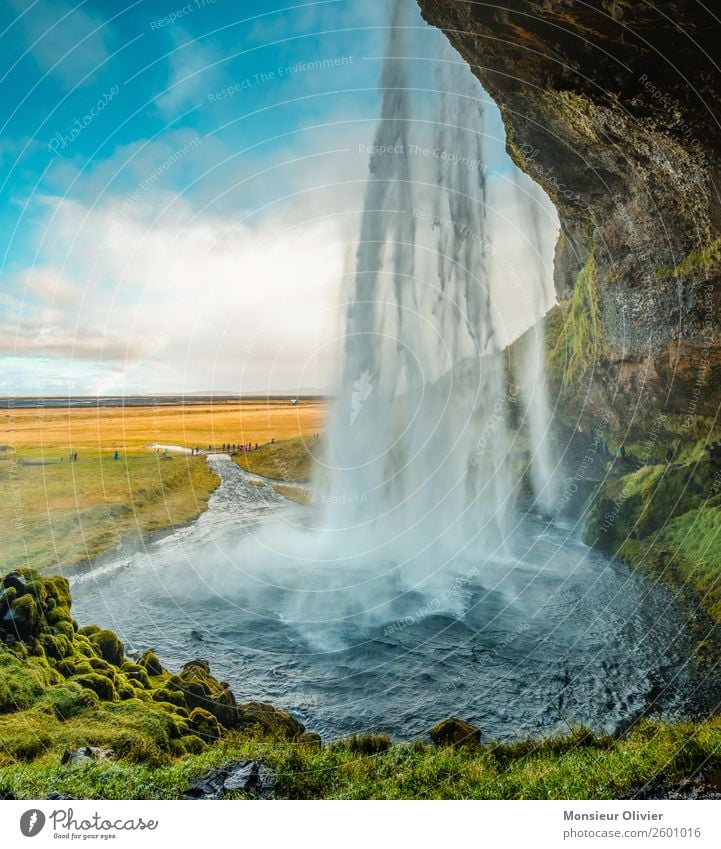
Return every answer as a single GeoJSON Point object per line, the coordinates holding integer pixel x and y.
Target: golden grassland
{"type": "Point", "coordinates": [54, 513]}
{"type": "Point", "coordinates": [193, 425]}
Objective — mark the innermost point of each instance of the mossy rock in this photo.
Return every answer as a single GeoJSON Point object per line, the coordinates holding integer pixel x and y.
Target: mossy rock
{"type": "Point", "coordinates": [57, 646]}
{"type": "Point", "coordinates": [7, 596]}
{"type": "Point", "coordinates": [98, 664]}
{"type": "Point", "coordinates": [270, 720]}
{"type": "Point", "coordinates": [202, 690]}
{"type": "Point", "coordinates": [109, 647]}
{"type": "Point", "coordinates": [311, 740]}
{"type": "Point", "coordinates": [125, 692]}
{"type": "Point", "coordinates": [138, 676]}
{"type": "Point", "coordinates": [455, 732]}
{"type": "Point", "coordinates": [58, 614]}
{"type": "Point", "coordinates": [89, 630]}
{"type": "Point", "coordinates": [192, 745]}
{"type": "Point", "coordinates": [99, 684]}
{"type": "Point", "coordinates": [204, 724]}
{"type": "Point", "coordinates": [83, 646]}
{"type": "Point", "coordinates": [65, 628]}
{"type": "Point", "coordinates": [151, 663]}
{"type": "Point", "coordinates": [25, 617]}
{"type": "Point", "coordinates": [174, 697]}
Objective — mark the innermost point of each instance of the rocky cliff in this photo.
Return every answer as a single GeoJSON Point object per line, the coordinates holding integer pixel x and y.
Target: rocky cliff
{"type": "Point", "coordinates": [614, 108]}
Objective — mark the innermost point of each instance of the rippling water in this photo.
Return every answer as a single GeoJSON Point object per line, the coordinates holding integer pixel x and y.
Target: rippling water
{"type": "Point", "coordinates": [549, 636]}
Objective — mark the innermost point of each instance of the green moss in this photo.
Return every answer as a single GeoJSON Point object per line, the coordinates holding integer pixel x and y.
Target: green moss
{"type": "Point", "coordinates": [173, 697]}
{"type": "Point", "coordinates": [151, 663]}
{"type": "Point", "coordinates": [57, 647]}
{"type": "Point", "coordinates": [573, 334]}
{"type": "Point", "coordinates": [702, 258]}
{"type": "Point", "coordinates": [26, 616]}
{"type": "Point", "coordinates": [204, 724]}
{"type": "Point", "coordinates": [108, 646]}
{"type": "Point", "coordinates": [695, 540]}
{"type": "Point", "coordinates": [99, 684]}
{"type": "Point", "coordinates": [21, 684]}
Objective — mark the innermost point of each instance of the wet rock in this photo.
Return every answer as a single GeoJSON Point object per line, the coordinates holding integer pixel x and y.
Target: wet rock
{"type": "Point", "coordinates": [15, 581]}
{"type": "Point", "coordinates": [84, 754]}
{"type": "Point", "coordinates": [243, 776]}
{"type": "Point", "coordinates": [455, 732]}
{"type": "Point", "coordinates": [54, 796]}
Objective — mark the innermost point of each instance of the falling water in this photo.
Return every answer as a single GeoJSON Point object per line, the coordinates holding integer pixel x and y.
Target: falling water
{"type": "Point", "coordinates": [531, 372]}
{"type": "Point", "coordinates": [417, 443]}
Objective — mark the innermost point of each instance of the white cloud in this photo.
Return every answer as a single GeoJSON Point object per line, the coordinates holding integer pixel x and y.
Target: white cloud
{"type": "Point", "coordinates": [184, 301]}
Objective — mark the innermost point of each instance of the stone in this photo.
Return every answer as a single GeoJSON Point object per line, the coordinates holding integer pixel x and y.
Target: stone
{"type": "Point", "coordinates": [15, 581]}
{"type": "Point", "coordinates": [241, 778]}
{"type": "Point", "coordinates": [72, 757]}
{"type": "Point", "coordinates": [244, 777]}
{"type": "Point", "coordinates": [455, 732]}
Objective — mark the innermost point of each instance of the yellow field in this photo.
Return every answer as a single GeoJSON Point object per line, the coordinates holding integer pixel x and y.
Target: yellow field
{"type": "Point", "coordinates": [54, 513]}
{"type": "Point", "coordinates": [132, 428]}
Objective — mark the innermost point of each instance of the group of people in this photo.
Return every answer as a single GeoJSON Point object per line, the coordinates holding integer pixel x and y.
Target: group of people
{"type": "Point", "coordinates": [234, 448]}
{"type": "Point", "coordinates": [230, 448]}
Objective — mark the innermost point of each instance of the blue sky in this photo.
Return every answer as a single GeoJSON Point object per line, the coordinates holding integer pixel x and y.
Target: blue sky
{"type": "Point", "coordinates": [179, 188]}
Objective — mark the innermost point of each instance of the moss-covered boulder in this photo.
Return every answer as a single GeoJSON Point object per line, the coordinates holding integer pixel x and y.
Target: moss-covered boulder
{"type": "Point", "coordinates": [109, 647]}
{"type": "Point", "coordinates": [151, 663]}
{"type": "Point", "coordinates": [270, 720]}
{"type": "Point", "coordinates": [101, 685]}
{"type": "Point", "coordinates": [24, 617]}
{"type": "Point", "coordinates": [204, 724]}
{"type": "Point", "coordinates": [455, 732]}
{"type": "Point", "coordinates": [201, 690]}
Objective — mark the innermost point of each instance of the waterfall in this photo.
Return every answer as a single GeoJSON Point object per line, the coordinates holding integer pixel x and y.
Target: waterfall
{"type": "Point", "coordinates": [417, 443]}
{"type": "Point", "coordinates": [531, 371]}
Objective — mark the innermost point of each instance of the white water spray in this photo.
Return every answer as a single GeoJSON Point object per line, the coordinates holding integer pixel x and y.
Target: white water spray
{"type": "Point", "coordinates": [417, 440]}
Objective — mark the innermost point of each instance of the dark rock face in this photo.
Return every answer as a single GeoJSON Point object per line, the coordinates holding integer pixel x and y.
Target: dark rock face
{"type": "Point", "coordinates": [614, 108]}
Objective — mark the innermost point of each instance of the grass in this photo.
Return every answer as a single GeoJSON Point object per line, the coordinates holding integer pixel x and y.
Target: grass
{"type": "Point", "coordinates": [56, 514]}
{"type": "Point", "coordinates": [67, 513]}
{"type": "Point", "coordinates": [294, 493]}
{"type": "Point", "coordinates": [288, 460]}
{"type": "Point", "coordinates": [578, 766]}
